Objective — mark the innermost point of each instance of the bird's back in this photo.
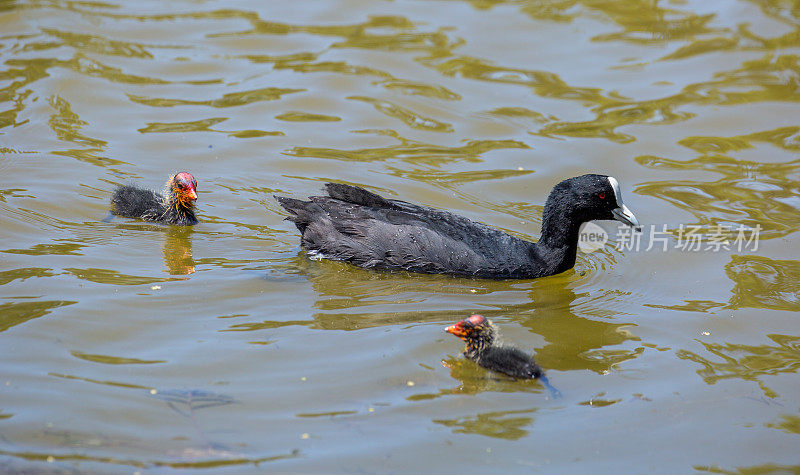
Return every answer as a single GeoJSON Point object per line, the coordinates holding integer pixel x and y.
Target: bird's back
{"type": "Point", "coordinates": [511, 361]}
{"type": "Point", "coordinates": [355, 225]}
{"type": "Point", "coordinates": [132, 202]}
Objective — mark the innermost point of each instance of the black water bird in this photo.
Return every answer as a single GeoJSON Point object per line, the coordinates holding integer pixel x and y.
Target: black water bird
{"type": "Point", "coordinates": [175, 206]}
{"type": "Point", "coordinates": [357, 226]}
{"type": "Point", "coordinates": [480, 335]}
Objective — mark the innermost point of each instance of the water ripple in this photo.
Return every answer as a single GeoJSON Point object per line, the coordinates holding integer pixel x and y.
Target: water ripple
{"type": "Point", "coordinates": [232, 99]}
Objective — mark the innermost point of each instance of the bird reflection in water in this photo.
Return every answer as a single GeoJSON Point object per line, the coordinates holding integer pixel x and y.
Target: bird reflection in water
{"type": "Point", "coordinates": [473, 379]}
{"type": "Point", "coordinates": [177, 250]}
{"type": "Point", "coordinates": [508, 425]}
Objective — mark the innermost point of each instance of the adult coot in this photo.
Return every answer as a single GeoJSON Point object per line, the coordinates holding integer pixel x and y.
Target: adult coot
{"type": "Point", "coordinates": [176, 206]}
{"type": "Point", "coordinates": [354, 225]}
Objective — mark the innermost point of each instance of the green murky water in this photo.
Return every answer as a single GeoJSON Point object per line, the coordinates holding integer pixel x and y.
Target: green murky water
{"type": "Point", "coordinates": [127, 346]}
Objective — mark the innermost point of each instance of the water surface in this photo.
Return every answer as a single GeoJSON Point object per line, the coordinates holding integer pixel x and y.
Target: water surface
{"type": "Point", "coordinates": [128, 346]}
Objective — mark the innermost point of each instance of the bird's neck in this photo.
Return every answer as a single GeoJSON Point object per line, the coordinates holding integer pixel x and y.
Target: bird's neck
{"type": "Point", "coordinates": [476, 346]}
{"type": "Point", "coordinates": [179, 212]}
{"type": "Point", "coordinates": [560, 231]}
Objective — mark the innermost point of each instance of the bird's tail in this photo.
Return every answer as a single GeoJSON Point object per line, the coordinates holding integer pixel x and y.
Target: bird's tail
{"type": "Point", "coordinates": [356, 195]}
{"type": "Point", "coordinates": [298, 210]}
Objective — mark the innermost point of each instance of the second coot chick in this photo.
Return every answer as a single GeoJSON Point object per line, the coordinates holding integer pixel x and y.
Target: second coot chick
{"type": "Point", "coordinates": [354, 225]}
{"type": "Point", "coordinates": [175, 206]}
{"type": "Point", "coordinates": [480, 334]}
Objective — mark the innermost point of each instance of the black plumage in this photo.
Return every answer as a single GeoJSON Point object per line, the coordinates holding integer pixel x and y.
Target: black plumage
{"type": "Point", "coordinates": [354, 225]}
{"type": "Point", "coordinates": [481, 347]}
{"type": "Point", "coordinates": [175, 206]}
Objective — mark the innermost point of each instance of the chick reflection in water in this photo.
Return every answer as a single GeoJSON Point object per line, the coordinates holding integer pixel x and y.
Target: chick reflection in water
{"type": "Point", "coordinates": [177, 251]}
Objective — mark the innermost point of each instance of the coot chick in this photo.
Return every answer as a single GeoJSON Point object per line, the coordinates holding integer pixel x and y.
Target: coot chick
{"type": "Point", "coordinates": [480, 334]}
{"type": "Point", "coordinates": [354, 225]}
{"type": "Point", "coordinates": [176, 206]}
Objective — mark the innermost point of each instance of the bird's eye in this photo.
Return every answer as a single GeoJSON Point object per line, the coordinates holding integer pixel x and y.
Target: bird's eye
{"type": "Point", "coordinates": [602, 195]}
{"type": "Point", "coordinates": [181, 186]}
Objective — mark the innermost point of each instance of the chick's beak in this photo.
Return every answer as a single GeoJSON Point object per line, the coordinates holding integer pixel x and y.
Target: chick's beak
{"type": "Point", "coordinates": [191, 194]}
{"type": "Point", "coordinates": [457, 329]}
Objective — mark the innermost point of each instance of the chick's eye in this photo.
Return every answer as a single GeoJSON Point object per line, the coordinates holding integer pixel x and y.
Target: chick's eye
{"type": "Point", "coordinates": [601, 195]}
{"type": "Point", "coordinates": [181, 186]}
